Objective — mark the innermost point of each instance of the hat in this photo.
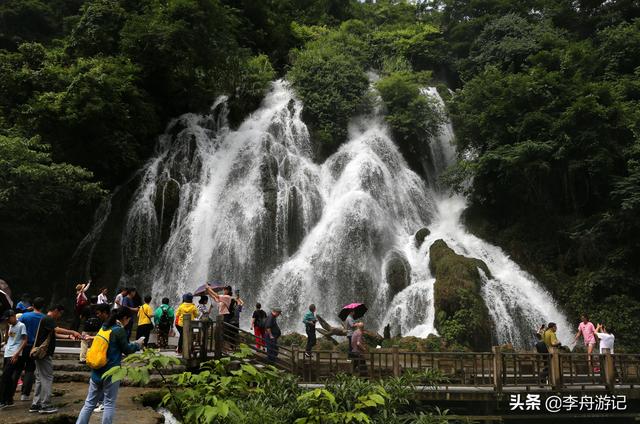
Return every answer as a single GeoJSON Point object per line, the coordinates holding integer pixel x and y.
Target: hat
{"type": "Point", "coordinates": [276, 310]}
{"type": "Point", "coordinates": [187, 297]}
{"type": "Point", "coordinates": [8, 313]}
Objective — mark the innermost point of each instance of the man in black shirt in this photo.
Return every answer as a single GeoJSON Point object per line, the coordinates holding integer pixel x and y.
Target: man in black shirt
{"type": "Point", "coordinates": [272, 332]}
{"type": "Point", "coordinates": [47, 332]}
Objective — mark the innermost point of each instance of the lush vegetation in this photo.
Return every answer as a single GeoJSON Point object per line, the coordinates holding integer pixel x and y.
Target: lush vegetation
{"type": "Point", "coordinates": [546, 112]}
{"type": "Point", "coordinates": [233, 390]}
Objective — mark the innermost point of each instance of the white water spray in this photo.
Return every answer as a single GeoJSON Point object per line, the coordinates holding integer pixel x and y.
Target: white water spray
{"type": "Point", "coordinates": [251, 207]}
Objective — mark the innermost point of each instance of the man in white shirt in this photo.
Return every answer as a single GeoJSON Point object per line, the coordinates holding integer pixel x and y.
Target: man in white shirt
{"type": "Point", "coordinates": [606, 338]}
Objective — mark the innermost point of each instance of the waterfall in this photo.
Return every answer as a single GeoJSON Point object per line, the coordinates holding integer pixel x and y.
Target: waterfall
{"type": "Point", "coordinates": [517, 303]}
{"type": "Point", "coordinates": [251, 207]}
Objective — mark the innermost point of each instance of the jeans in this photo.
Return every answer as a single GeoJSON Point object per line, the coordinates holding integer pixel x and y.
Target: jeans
{"type": "Point", "coordinates": [272, 348]}
{"type": "Point", "coordinates": [311, 337]}
{"type": "Point", "coordinates": [44, 381]}
{"type": "Point", "coordinates": [9, 380]}
{"type": "Point", "coordinates": [97, 391]}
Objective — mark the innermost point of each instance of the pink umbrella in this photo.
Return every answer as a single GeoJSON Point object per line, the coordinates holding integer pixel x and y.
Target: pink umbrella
{"type": "Point", "coordinates": [359, 310]}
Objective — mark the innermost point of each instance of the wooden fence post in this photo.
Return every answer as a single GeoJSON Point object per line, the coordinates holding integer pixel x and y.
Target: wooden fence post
{"type": "Point", "coordinates": [186, 336]}
{"type": "Point", "coordinates": [396, 361]}
{"type": "Point", "coordinates": [497, 368]}
{"type": "Point", "coordinates": [555, 377]}
{"type": "Point", "coordinates": [218, 335]}
{"type": "Point", "coordinates": [609, 369]}
{"type": "Point", "coordinates": [294, 359]}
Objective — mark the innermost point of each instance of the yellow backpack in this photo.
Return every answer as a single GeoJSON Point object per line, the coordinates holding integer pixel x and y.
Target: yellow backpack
{"type": "Point", "coordinates": [97, 354]}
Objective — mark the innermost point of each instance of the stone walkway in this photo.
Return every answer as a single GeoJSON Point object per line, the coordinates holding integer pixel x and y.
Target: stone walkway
{"type": "Point", "coordinates": [69, 398]}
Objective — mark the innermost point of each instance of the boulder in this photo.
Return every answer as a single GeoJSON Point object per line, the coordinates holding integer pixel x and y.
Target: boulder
{"type": "Point", "coordinates": [397, 272]}
{"type": "Point", "coordinates": [462, 316]}
{"type": "Point", "coordinates": [422, 234]}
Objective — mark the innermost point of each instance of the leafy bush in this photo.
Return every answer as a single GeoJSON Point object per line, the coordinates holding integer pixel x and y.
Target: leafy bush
{"type": "Point", "coordinates": [414, 118]}
{"type": "Point", "coordinates": [332, 84]}
{"type": "Point", "coordinates": [232, 390]}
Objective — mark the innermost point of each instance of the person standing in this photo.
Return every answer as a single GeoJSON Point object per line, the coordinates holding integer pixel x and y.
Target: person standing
{"type": "Point", "coordinates": [272, 333]}
{"type": "Point", "coordinates": [81, 302]}
{"type": "Point", "coordinates": [543, 357]}
{"type": "Point", "coordinates": [145, 325]}
{"type": "Point", "coordinates": [607, 339]}
{"type": "Point", "coordinates": [163, 318]}
{"type": "Point", "coordinates": [31, 320]}
{"type": "Point", "coordinates": [204, 309]}
{"type": "Point", "coordinates": [358, 349]}
{"type": "Point", "coordinates": [225, 308]}
{"type": "Point", "coordinates": [129, 302]}
{"type": "Point", "coordinates": [186, 308]}
{"type": "Point", "coordinates": [46, 336]}
{"type": "Point", "coordinates": [588, 332]}
{"type": "Point", "coordinates": [550, 338]}
{"type": "Point", "coordinates": [122, 293]}
{"type": "Point", "coordinates": [102, 297]}
{"type": "Point", "coordinates": [309, 320]}
{"type": "Point", "coordinates": [16, 342]}
{"type": "Point", "coordinates": [257, 325]}
{"type": "Point", "coordinates": [90, 327]}
{"type": "Point", "coordinates": [106, 389]}
{"type": "Point", "coordinates": [350, 326]}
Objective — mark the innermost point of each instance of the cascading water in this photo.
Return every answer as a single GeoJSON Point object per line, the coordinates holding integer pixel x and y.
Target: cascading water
{"type": "Point", "coordinates": [517, 303]}
{"type": "Point", "coordinates": [252, 208]}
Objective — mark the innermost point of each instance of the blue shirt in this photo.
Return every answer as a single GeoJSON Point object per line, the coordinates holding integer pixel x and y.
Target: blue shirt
{"type": "Point", "coordinates": [22, 306]}
{"type": "Point", "coordinates": [127, 301]}
{"type": "Point", "coordinates": [118, 346]}
{"type": "Point", "coordinates": [31, 320]}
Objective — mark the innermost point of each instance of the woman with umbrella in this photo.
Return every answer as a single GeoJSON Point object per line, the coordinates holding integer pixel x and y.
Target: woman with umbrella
{"type": "Point", "coordinates": [349, 314]}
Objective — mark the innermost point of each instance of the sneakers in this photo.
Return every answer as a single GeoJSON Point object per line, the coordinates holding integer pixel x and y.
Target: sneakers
{"type": "Point", "coordinates": [34, 408]}
{"type": "Point", "coordinates": [5, 405]}
{"type": "Point", "coordinates": [99, 408]}
{"type": "Point", "coordinates": [24, 397]}
{"type": "Point", "coordinates": [47, 409]}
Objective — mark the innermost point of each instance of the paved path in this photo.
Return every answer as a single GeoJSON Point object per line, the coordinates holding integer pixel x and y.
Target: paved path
{"type": "Point", "coordinates": [69, 398]}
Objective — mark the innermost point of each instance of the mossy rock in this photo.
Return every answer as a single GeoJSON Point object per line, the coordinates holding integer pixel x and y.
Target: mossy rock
{"type": "Point", "coordinates": [461, 313]}
{"type": "Point", "coordinates": [398, 272]}
{"type": "Point", "coordinates": [422, 234]}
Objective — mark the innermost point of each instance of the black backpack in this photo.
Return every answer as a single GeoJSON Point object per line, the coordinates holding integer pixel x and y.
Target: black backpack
{"type": "Point", "coordinates": [165, 320]}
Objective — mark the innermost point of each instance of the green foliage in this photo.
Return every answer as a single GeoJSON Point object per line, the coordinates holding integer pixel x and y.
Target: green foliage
{"type": "Point", "coordinates": [332, 84]}
{"type": "Point", "coordinates": [232, 390]}
{"type": "Point", "coordinates": [32, 186]}
{"type": "Point", "coordinates": [414, 118]}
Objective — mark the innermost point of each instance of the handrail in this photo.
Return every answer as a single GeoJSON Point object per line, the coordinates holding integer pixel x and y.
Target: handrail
{"type": "Point", "coordinates": [501, 370]}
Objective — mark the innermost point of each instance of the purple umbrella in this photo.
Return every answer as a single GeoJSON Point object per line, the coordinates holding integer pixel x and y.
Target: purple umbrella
{"type": "Point", "coordinates": [359, 310]}
{"type": "Point", "coordinates": [216, 285]}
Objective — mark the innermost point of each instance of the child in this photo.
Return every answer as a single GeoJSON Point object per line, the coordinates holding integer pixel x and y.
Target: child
{"type": "Point", "coordinates": [144, 320]}
{"type": "Point", "coordinates": [204, 310]}
{"type": "Point", "coordinates": [186, 307]}
{"type": "Point", "coordinates": [12, 358]}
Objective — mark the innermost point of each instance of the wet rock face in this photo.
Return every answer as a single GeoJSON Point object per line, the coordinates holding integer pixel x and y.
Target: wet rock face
{"type": "Point", "coordinates": [422, 234]}
{"type": "Point", "coordinates": [398, 272]}
{"type": "Point", "coordinates": [461, 313]}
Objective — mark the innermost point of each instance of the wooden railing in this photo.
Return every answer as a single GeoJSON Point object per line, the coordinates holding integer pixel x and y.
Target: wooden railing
{"type": "Point", "coordinates": [501, 371]}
